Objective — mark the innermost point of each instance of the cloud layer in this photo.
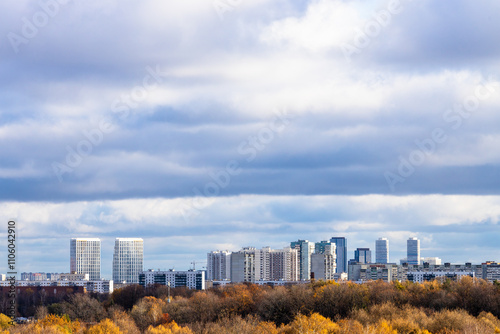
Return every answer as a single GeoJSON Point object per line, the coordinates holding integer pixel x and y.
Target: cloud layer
{"type": "Point", "coordinates": [455, 228]}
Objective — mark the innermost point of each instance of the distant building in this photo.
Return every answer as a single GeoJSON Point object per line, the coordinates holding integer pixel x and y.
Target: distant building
{"type": "Point", "coordinates": [491, 271]}
{"type": "Point", "coordinates": [323, 266]}
{"type": "Point", "coordinates": [85, 257]}
{"type": "Point", "coordinates": [416, 272]}
{"type": "Point", "coordinates": [33, 276]}
{"type": "Point", "coordinates": [413, 251]}
{"type": "Point", "coordinates": [340, 277]}
{"type": "Point", "coordinates": [363, 255]}
{"type": "Point", "coordinates": [71, 277]}
{"type": "Point", "coordinates": [49, 291]}
{"type": "Point", "coordinates": [382, 250]}
{"type": "Point", "coordinates": [99, 286]}
{"type": "Point", "coordinates": [218, 266]}
{"type": "Point", "coordinates": [387, 272]}
{"type": "Point", "coordinates": [323, 247]}
{"type": "Point", "coordinates": [283, 265]}
{"type": "Point", "coordinates": [191, 279]}
{"type": "Point", "coordinates": [280, 283]}
{"type": "Point", "coordinates": [304, 249]}
{"type": "Point", "coordinates": [128, 258]}
{"type": "Point", "coordinates": [431, 260]}
{"type": "Point", "coordinates": [41, 276]}
{"type": "Point", "coordinates": [341, 253]}
{"type": "Point", "coordinates": [245, 265]}
{"type": "Point", "coordinates": [324, 261]}
{"type": "Point", "coordinates": [421, 276]}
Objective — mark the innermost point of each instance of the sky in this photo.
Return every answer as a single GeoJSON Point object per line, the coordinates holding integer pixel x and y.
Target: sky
{"type": "Point", "coordinates": [218, 124]}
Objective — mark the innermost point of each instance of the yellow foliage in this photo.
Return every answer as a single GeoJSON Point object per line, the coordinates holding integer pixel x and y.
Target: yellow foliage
{"type": "Point", "coordinates": [4, 321]}
{"type": "Point", "coordinates": [62, 324]}
{"type": "Point", "coordinates": [266, 327]}
{"type": "Point", "coordinates": [106, 326]}
{"type": "Point", "coordinates": [148, 312]}
{"type": "Point", "coordinates": [384, 328]}
{"type": "Point", "coordinates": [171, 328]}
{"type": "Point", "coordinates": [350, 326]}
{"type": "Point", "coordinates": [314, 324]}
{"type": "Point", "coordinates": [490, 320]}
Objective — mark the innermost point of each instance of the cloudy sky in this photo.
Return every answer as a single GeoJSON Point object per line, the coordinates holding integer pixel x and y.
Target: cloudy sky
{"type": "Point", "coordinates": [216, 124]}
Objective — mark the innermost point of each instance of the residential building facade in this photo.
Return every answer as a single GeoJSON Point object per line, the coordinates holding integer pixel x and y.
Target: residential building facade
{"type": "Point", "coordinates": [387, 272]}
{"type": "Point", "coordinates": [128, 259]}
{"type": "Point", "coordinates": [191, 279]}
{"type": "Point", "coordinates": [218, 266]}
{"type": "Point", "coordinates": [245, 265]}
{"type": "Point", "coordinates": [304, 249]}
{"type": "Point", "coordinates": [85, 257]}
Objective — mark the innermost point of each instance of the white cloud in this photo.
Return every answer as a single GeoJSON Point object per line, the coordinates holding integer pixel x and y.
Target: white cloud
{"type": "Point", "coordinates": [234, 222]}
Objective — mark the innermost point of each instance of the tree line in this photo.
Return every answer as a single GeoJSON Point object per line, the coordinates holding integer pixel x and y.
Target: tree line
{"type": "Point", "coordinates": [466, 306]}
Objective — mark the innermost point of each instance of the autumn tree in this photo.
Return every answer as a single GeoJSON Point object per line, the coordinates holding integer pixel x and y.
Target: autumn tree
{"type": "Point", "coordinates": [124, 321]}
{"type": "Point", "coordinates": [128, 296]}
{"type": "Point", "coordinates": [314, 324]}
{"type": "Point", "coordinates": [148, 312]}
{"type": "Point", "coordinates": [83, 307]}
{"type": "Point", "coordinates": [5, 321]}
{"type": "Point", "coordinates": [171, 328]}
{"type": "Point", "coordinates": [106, 326]}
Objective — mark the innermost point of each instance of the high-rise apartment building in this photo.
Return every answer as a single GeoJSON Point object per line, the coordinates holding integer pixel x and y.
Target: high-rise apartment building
{"type": "Point", "coordinates": [245, 265]}
{"type": "Point", "coordinates": [128, 259]}
{"type": "Point", "coordinates": [304, 249]}
{"type": "Point", "coordinates": [284, 264]}
{"type": "Point", "coordinates": [413, 251]}
{"type": "Point", "coordinates": [363, 255]}
{"type": "Point", "coordinates": [218, 266]}
{"type": "Point", "coordinates": [341, 253]}
{"type": "Point", "coordinates": [382, 250]}
{"type": "Point", "coordinates": [323, 261]}
{"type": "Point", "coordinates": [85, 257]}
{"type": "Point", "coordinates": [266, 264]}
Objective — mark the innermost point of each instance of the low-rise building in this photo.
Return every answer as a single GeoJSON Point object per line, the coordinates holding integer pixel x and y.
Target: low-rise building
{"type": "Point", "coordinates": [192, 279]}
{"type": "Point", "coordinates": [387, 272]}
{"type": "Point", "coordinates": [431, 260]}
{"type": "Point", "coordinates": [491, 271]}
{"type": "Point", "coordinates": [453, 270]}
{"type": "Point", "coordinates": [423, 276]}
{"type": "Point", "coordinates": [73, 277]}
{"type": "Point", "coordinates": [101, 286]}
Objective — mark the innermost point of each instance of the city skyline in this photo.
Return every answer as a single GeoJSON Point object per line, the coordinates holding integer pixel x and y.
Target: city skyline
{"type": "Point", "coordinates": [313, 246]}
{"type": "Point", "coordinates": [188, 266]}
